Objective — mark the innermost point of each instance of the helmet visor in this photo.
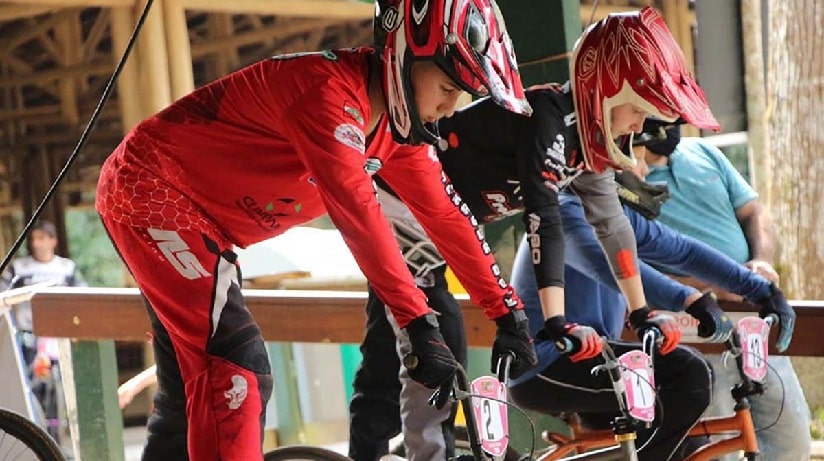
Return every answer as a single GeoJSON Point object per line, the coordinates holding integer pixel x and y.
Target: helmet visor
{"type": "Point", "coordinates": [481, 61]}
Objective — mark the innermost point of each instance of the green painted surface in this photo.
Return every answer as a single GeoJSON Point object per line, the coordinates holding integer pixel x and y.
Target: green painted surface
{"type": "Point", "coordinates": [350, 361]}
{"type": "Point", "coordinates": [99, 420]}
{"type": "Point", "coordinates": [286, 394]}
{"type": "Point", "coordinates": [540, 31]}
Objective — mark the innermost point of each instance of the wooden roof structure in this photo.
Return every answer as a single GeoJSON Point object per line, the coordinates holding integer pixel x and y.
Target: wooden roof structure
{"type": "Point", "coordinates": [56, 57]}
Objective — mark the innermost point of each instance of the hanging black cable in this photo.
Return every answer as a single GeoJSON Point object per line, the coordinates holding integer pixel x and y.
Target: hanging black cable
{"type": "Point", "coordinates": [82, 141]}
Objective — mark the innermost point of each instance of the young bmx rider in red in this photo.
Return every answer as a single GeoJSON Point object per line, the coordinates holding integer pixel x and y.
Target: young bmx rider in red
{"type": "Point", "coordinates": [277, 144]}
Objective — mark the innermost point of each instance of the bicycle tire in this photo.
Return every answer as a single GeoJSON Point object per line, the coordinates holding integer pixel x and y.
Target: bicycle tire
{"type": "Point", "coordinates": [303, 453]}
{"type": "Point", "coordinates": [29, 434]}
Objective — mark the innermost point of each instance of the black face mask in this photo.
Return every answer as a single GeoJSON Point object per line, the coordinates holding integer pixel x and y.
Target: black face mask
{"type": "Point", "coordinates": [660, 138]}
{"type": "Point", "coordinates": [640, 196]}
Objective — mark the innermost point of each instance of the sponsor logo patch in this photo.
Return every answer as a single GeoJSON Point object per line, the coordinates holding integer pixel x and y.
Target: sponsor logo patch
{"type": "Point", "coordinates": [237, 394]}
{"type": "Point", "coordinates": [267, 216]}
{"type": "Point", "coordinates": [390, 19]}
{"type": "Point", "coordinates": [353, 113]}
{"type": "Point", "coordinates": [352, 136]}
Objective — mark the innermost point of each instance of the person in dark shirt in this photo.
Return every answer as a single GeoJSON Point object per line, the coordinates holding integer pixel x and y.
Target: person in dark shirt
{"type": "Point", "coordinates": [501, 164]}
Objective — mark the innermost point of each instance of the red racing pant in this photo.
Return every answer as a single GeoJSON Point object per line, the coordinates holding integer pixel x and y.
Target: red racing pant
{"type": "Point", "coordinates": [214, 377]}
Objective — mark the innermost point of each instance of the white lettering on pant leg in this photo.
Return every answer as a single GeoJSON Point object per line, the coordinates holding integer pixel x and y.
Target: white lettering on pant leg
{"type": "Point", "coordinates": [177, 252]}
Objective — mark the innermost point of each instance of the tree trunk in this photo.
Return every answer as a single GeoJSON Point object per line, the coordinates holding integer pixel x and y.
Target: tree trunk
{"type": "Point", "coordinates": [795, 97]}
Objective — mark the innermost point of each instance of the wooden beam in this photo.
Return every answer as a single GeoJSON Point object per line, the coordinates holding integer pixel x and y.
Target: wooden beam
{"type": "Point", "coordinates": [22, 68]}
{"type": "Point", "coordinates": [309, 316]}
{"type": "Point", "coordinates": [14, 12]}
{"type": "Point", "coordinates": [221, 27]}
{"type": "Point", "coordinates": [276, 32]}
{"type": "Point", "coordinates": [30, 112]}
{"type": "Point", "coordinates": [339, 9]}
{"type": "Point", "coordinates": [603, 10]}
{"type": "Point", "coordinates": [47, 76]}
{"type": "Point", "coordinates": [75, 3]}
{"type": "Point", "coordinates": [96, 33]}
{"type": "Point", "coordinates": [29, 33]}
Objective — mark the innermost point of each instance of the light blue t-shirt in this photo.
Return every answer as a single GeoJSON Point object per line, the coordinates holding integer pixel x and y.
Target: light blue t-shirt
{"type": "Point", "coordinates": [705, 190]}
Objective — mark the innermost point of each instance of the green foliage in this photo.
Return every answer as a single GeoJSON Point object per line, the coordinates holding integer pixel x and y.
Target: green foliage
{"type": "Point", "coordinates": [817, 424]}
{"type": "Point", "coordinates": [92, 250]}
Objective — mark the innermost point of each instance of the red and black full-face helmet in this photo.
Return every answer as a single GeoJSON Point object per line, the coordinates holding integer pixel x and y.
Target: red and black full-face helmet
{"type": "Point", "coordinates": [630, 58]}
{"type": "Point", "coordinates": [467, 39]}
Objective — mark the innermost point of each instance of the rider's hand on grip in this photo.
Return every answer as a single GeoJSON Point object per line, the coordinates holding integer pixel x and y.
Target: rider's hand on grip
{"type": "Point", "coordinates": [513, 337]}
{"type": "Point", "coordinates": [713, 322]}
{"type": "Point", "coordinates": [580, 342]}
{"type": "Point", "coordinates": [776, 303]}
{"type": "Point", "coordinates": [645, 318]}
{"type": "Point", "coordinates": [430, 362]}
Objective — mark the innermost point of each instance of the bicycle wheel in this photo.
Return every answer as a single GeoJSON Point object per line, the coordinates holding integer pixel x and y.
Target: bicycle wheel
{"type": "Point", "coordinates": [303, 453]}
{"type": "Point", "coordinates": [21, 439]}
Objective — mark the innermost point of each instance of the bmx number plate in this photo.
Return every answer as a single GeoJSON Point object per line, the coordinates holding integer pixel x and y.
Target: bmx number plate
{"type": "Point", "coordinates": [754, 334]}
{"type": "Point", "coordinates": [490, 415]}
{"type": "Point", "coordinates": [639, 382]}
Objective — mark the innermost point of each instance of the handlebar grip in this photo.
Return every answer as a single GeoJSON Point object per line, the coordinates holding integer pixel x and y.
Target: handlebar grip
{"type": "Point", "coordinates": [505, 361]}
{"type": "Point", "coordinates": [653, 337]}
{"type": "Point", "coordinates": [771, 320]}
{"type": "Point", "coordinates": [411, 361]}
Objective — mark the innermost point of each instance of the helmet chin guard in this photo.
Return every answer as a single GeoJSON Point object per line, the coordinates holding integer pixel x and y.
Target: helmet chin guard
{"type": "Point", "coordinates": [630, 58]}
{"type": "Point", "coordinates": [468, 41]}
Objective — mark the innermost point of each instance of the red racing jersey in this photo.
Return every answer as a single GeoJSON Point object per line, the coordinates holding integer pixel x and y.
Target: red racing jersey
{"type": "Point", "coordinates": [281, 142]}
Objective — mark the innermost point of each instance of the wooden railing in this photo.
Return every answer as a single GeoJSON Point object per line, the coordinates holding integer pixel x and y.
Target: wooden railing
{"type": "Point", "coordinates": [304, 316]}
{"type": "Point", "coordinates": [94, 317]}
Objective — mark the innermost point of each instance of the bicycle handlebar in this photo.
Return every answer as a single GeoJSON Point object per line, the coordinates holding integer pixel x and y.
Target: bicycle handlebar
{"type": "Point", "coordinates": [505, 362]}
{"type": "Point", "coordinates": [14, 296]}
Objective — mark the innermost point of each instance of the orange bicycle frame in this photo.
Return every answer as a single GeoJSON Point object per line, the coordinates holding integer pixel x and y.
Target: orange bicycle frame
{"type": "Point", "coordinates": [740, 422]}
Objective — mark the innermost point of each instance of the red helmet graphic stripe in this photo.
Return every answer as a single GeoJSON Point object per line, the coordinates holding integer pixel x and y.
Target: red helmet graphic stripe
{"type": "Point", "coordinates": [630, 58]}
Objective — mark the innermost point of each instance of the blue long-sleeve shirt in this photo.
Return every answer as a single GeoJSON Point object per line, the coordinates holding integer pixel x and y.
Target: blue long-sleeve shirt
{"type": "Point", "coordinates": [592, 294]}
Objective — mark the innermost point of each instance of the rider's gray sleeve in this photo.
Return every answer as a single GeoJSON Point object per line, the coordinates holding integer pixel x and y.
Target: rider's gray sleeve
{"type": "Point", "coordinates": [419, 252]}
{"type": "Point", "coordinates": [603, 210]}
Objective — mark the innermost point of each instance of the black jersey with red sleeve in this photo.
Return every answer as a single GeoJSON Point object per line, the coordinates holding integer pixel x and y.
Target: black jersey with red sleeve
{"type": "Point", "coordinates": [279, 143]}
{"type": "Point", "coordinates": [502, 163]}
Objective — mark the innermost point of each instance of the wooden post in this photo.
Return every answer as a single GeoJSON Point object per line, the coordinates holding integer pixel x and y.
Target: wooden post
{"type": "Point", "coordinates": [221, 27]}
{"type": "Point", "coordinates": [154, 62]}
{"type": "Point", "coordinates": [67, 34]}
{"type": "Point", "coordinates": [760, 155]}
{"type": "Point", "coordinates": [128, 90]}
{"type": "Point", "coordinates": [179, 50]}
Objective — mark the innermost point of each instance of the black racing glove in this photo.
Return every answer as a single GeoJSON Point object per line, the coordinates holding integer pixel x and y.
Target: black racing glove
{"type": "Point", "coordinates": [513, 336]}
{"type": "Point", "coordinates": [430, 362]}
{"type": "Point", "coordinates": [776, 303]}
{"type": "Point", "coordinates": [579, 342]}
{"type": "Point", "coordinates": [713, 322]}
{"type": "Point", "coordinates": [639, 195]}
{"type": "Point", "coordinates": [645, 318]}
